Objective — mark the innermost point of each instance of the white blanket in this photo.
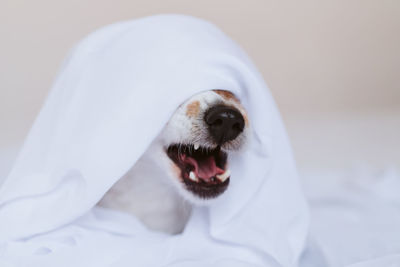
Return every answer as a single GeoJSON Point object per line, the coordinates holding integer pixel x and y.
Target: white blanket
{"type": "Point", "coordinates": [355, 216]}
{"type": "Point", "coordinates": [114, 94]}
{"type": "Point", "coordinates": [112, 97]}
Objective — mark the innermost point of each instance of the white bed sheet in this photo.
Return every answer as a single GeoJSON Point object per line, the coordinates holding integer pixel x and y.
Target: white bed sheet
{"type": "Point", "coordinates": [355, 215]}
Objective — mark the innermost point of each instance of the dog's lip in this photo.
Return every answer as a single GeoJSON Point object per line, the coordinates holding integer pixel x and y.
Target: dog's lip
{"type": "Point", "coordinates": [206, 191]}
{"type": "Point", "coordinates": [203, 170]}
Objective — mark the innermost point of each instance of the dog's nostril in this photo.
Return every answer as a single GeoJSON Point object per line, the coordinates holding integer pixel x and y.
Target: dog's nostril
{"type": "Point", "coordinates": [238, 127]}
{"type": "Point", "coordinates": [225, 123]}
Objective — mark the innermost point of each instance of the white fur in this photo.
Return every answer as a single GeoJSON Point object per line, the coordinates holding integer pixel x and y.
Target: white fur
{"type": "Point", "coordinates": [151, 190]}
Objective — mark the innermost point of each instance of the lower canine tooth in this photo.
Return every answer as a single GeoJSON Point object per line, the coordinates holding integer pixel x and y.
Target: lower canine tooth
{"type": "Point", "coordinates": [193, 177]}
{"type": "Point", "coordinates": [224, 176]}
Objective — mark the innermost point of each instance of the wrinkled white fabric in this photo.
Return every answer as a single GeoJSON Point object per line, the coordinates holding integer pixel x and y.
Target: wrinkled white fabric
{"type": "Point", "coordinates": [114, 94]}
{"type": "Point", "coordinates": [355, 216]}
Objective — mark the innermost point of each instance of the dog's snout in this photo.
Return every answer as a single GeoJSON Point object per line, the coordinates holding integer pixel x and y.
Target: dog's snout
{"type": "Point", "coordinates": [225, 123]}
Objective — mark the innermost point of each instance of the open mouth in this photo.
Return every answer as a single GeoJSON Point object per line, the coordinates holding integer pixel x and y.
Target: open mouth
{"type": "Point", "coordinates": [203, 170]}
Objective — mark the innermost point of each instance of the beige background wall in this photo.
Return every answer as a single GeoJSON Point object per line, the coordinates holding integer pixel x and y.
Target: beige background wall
{"type": "Point", "coordinates": [317, 56]}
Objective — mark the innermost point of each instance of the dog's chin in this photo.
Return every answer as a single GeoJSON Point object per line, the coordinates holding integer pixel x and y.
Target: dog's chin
{"type": "Point", "coordinates": [203, 172]}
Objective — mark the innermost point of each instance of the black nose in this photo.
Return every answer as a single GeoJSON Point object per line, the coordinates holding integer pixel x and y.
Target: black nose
{"type": "Point", "coordinates": [225, 123]}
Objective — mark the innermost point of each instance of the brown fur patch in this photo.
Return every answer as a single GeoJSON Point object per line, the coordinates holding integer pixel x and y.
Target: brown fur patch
{"type": "Point", "coordinates": [193, 109]}
{"type": "Point", "coordinates": [246, 120]}
{"type": "Point", "coordinates": [227, 95]}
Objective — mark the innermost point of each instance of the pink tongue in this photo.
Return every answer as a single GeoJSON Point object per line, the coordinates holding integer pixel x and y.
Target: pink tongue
{"type": "Point", "coordinates": [204, 168]}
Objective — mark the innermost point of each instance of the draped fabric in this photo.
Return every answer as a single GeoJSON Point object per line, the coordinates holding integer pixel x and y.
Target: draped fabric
{"type": "Point", "coordinates": [114, 94]}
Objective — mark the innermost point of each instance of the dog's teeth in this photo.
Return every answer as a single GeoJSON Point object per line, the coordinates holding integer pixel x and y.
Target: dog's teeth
{"type": "Point", "coordinates": [196, 146]}
{"type": "Point", "coordinates": [193, 177]}
{"type": "Point", "coordinates": [222, 177]}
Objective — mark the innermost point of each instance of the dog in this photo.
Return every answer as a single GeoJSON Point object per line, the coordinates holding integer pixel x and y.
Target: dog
{"type": "Point", "coordinates": [186, 165]}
